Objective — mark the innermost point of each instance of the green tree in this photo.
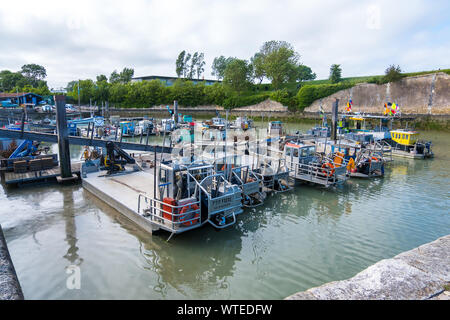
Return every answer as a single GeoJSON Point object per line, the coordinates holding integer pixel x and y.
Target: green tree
{"type": "Point", "coordinates": [87, 89]}
{"type": "Point", "coordinates": [34, 73]}
{"type": "Point", "coordinates": [393, 73]}
{"type": "Point", "coordinates": [9, 80]}
{"type": "Point", "coordinates": [215, 94]}
{"type": "Point", "coordinates": [200, 66]}
{"type": "Point", "coordinates": [179, 64]}
{"type": "Point", "coordinates": [193, 65]}
{"type": "Point", "coordinates": [186, 66]}
{"type": "Point", "coordinates": [257, 62]}
{"type": "Point", "coordinates": [101, 77]}
{"type": "Point", "coordinates": [101, 91]}
{"type": "Point", "coordinates": [218, 66]}
{"type": "Point", "coordinates": [279, 60]}
{"type": "Point", "coordinates": [117, 92]}
{"type": "Point", "coordinates": [114, 77]}
{"type": "Point", "coordinates": [335, 73]}
{"type": "Point", "coordinates": [71, 85]}
{"type": "Point", "coordinates": [303, 73]}
{"type": "Point", "coordinates": [126, 75]}
{"type": "Point", "coordinates": [237, 75]}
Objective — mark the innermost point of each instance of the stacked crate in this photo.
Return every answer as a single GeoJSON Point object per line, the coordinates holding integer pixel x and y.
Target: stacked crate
{"type": "Point", "coordinates": [20, 166]}
{"type": "Point", "coordinates": [35, 165]}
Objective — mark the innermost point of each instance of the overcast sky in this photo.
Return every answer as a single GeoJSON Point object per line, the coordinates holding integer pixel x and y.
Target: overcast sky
{"type": "Point", "coordinates": [81, 39]}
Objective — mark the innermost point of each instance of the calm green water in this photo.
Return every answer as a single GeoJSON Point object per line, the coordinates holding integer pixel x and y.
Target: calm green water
{"type": "Point", "coordinates": [295, 241]}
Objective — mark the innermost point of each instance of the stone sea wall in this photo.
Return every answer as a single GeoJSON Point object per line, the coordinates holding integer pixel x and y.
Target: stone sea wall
{"type": "Point", "coordinates": [421, 273]}
{"type": "Point", "coordinates": [428, 94]}
{"type": "Point", "coordinates": [9, 284]}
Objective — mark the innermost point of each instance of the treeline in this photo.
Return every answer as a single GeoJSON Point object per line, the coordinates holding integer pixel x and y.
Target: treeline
{"type": "Point", "coordinates": [146, 94]}
{"type": "Point", "coordinates": [241, 84]}
{"type": "Point", "coordinates": [274, 72]}
{"type": "Point", "coordinates": [31, 78]}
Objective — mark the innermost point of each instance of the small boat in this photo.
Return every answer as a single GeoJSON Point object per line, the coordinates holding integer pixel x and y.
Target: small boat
{"type": "Point", "coordinates": [276, 129]}
{"type": "Point", "coordinates": [366, 164]}
{"type": "Point", "coordinates": [127, 128]}
{"type": "Point", "coordinates": [144, 127]}
{"type": "Point", "coordinates": [307, 165]}
{"type": "Point", "coordinates": [166, 126]}
{"type": "Point", "coordinates": [406, 144]}
{"type": "Point", "coordinates": [242, 123]}
{"type": "Point", "coordinates": [215, 123]}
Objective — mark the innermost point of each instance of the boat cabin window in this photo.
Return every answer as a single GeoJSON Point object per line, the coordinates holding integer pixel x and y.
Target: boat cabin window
{"type": "Point", "coordinates": [288, 151]}
{"type": "Point", "coordinates": [295, 152]}
{"type": "Point", "coordinates": [163, 178]}
{"type": "Point", "coordinates": [304, 152]}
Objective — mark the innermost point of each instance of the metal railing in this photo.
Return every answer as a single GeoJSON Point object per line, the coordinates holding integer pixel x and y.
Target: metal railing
{"type": "Point", "coordinates": [317, 173]}
{"type": "Point", "coordinates": [179, 221]}
{"type": "Point", "coordinates": [250, 185]}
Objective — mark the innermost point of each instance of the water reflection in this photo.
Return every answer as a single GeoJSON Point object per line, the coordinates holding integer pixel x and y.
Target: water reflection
{"type": "Point", "coordinates": [70, 228]}
{"type": "Point", "coordinates": [201, 260]}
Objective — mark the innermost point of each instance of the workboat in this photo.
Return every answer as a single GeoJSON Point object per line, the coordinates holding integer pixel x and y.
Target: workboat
{"type": "Point", "coordinates": [190, 195]}
{"type": "Point", "coordinates": [352, 126]}
{"type": "Point", "coordinates": [242, 123]}
{"type": "Point", "coordinates": [251, 186]}
{"type": "Point", "coordinates": [238, 171]}
{"type": "Point", "coordinates": [307, 165]}
{"type": "Point", "coordinates": [269, 167]}
{"type": "Point", "coordinates": [127, 128]}
{"type": "Point", "coordinates": [144, 126]}
{"type": "Point", "coordinates": [365, 164]}
{"type": "Point", "coordinates": [320, 131]}
{"type": "Point", "coordinates": [98, 121]}
{"type": "Point", "coordinates": [405, 144]}
{"type": "Point", "coordinates": [215, 123]}
{"type": "Point", "coordinates": [275, 129]}
{"type": "Point", "coordinates": [166, 126]}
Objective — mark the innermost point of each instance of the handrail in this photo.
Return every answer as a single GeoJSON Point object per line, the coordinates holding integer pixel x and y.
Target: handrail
{"type": "Point", "coordinates": [154, 207]}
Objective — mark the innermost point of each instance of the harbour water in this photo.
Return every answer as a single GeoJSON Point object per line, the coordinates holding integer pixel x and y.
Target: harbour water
{"type": "Point", "coordinates": [295, 241]}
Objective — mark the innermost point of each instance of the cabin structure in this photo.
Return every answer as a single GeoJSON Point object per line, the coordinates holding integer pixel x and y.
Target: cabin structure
{"type": "Point", "coordinates": [21, 98]}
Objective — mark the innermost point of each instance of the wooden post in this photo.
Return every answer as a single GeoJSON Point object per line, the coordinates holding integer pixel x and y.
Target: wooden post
{"type": "Point", "coordinates": [175, 112]}
{"type": "Point", "coordinates": [63, 137]}
{"type": "Point", "coordinates": [334, 118]}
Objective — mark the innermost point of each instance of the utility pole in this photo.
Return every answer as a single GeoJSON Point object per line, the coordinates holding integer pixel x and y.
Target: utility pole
{"type": "Point", "coordinates": [79, 106]}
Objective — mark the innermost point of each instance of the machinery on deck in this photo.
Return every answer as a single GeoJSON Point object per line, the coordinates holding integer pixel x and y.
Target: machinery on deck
{"type": "Point", "coordinates": [115, 158]}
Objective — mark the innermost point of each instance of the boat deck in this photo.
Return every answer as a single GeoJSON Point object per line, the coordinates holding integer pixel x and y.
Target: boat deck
{"type": "Point", "coordinates": [404, 154]}
{"type": "Point", "coordinates": [312, 179]}
{"type": "Point", "coordinates": [121, 191]}
{"type": "Point", "coordinates": [364, 176]}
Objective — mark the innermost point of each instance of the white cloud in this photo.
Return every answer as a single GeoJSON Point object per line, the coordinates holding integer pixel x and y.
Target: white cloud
{"type": "Point", "coordinates": [85, 38]}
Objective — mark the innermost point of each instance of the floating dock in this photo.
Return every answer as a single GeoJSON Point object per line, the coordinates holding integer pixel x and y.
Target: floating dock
{"type": "Point", "coordinates": [14, 178]}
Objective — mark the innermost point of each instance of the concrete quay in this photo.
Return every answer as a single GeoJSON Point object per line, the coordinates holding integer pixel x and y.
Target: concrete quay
{"type": "Point", "coordinates": [419, 274]}
{"type": "Point", "coordinates": [9, 284]}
